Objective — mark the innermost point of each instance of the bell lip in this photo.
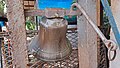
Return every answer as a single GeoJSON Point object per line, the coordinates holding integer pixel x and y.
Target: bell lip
{"type": "Point", "coordinates": [65, 57]}
{"type": "Point", "coordinates": [58, 59]}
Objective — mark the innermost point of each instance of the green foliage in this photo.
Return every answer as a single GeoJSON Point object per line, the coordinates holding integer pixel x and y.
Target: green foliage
{"type": "Point", "coordinates": [30, 25]}
{"type": "Point", "coordinates": [2, 3]}
{"type": "Point", "coordinates": [109, 1]}
{"type": "Point", "coordinates": [105, 20]}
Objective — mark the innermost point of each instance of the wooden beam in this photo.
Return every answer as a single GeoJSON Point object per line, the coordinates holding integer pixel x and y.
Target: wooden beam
{"type": "Point", "coordinates": [98, 12]}
{"type": "Point", "coordinates": [29, 5]}
{"type": "Point", "coordinates": [15, 13]}
{"type": "Point", "coordinates": [115, 5]}
{"type": "Point", "coordinates": [87, 42]}
{"type": "Point", "coordinates": [34, 12]}
{"type": "Point", "coordinates": [49, 12]}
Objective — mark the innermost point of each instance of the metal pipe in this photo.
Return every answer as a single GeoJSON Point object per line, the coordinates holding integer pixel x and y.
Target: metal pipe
{"type": "Point", "coordinates": [106, 42]}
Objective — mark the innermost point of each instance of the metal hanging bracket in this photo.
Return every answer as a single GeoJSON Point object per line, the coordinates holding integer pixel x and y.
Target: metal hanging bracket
{"type": "Point", "coordinates": [110, 44]}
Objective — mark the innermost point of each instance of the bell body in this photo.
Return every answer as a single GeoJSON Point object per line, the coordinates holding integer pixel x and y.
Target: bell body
{"type": "Point", "coordinates": [51, 42]}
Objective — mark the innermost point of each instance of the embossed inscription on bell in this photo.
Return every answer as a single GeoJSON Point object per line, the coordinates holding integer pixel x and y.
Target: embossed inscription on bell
{"type": "Point", "coordinates": [51, 43]}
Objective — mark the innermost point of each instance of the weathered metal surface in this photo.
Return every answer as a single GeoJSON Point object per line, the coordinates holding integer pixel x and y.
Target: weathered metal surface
{"type": "Point", "coordinates": [103, 61]}
{"type": "Point", "coordinates": [7, 53]}
{"type": "Point", "coordinates": [115, 6]}
{"type": "Point", "coordinates": [51, 43]}
{"type": "Point", "coordinates": [70, 62]}
{"type": "Point", "coordinates": [72, 36]}
{"type": "Point", "coordinates": [15, 14]}
{"type": "Point", "coordinates": [87, 38]}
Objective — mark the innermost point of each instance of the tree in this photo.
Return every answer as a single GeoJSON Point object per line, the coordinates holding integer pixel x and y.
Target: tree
{"type": "Point", "coordinates": [2, 3]}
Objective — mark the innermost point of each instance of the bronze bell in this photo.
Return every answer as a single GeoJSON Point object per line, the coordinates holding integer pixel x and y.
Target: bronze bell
{"type": "Point", "coordinates": [51, 43]}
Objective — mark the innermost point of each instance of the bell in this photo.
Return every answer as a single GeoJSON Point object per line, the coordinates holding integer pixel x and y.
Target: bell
{"type": "Point", "coordinates": [51, 43]}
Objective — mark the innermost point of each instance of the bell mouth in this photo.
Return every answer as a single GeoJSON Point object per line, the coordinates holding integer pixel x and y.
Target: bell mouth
{"type": "Point", "coordinates": [47, 56]}
{"type": "Point", "coordinates": [56, 56]}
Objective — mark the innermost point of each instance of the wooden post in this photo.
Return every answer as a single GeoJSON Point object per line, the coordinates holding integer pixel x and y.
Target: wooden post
{"type": "Point", "coordinates": [16, 21]}
{"type": "Point", "coordinates": [87, 45]}
{"type": "Point", "coordinates": [115, 5]}
{"type": "Point", "coordinates": [99, 12]}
